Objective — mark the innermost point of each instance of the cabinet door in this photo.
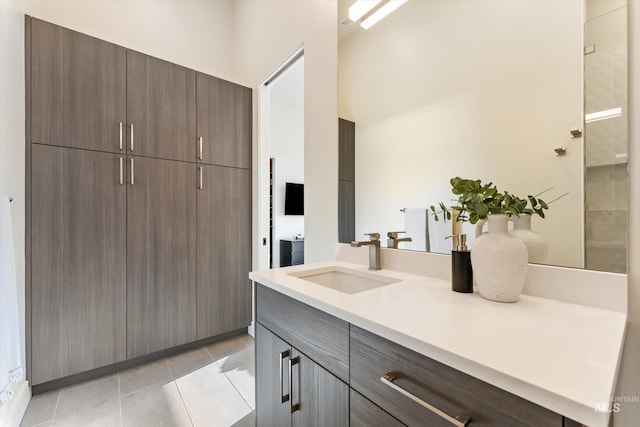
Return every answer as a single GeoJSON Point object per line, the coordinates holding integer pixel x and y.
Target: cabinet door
{"type": "Point", "coordinates": [224, 122]}
{"type": "Point", "coordinates": [78, 89]}
{"type": "Point", "coordinates": [78, 261]}
{"type": "Point", "coordinates": [161, 254]}
{"type": "Point", "coordinates": [161, 108]}
{"type": "Point", "coordinates": [272, 379]}
{"type": "Point", "coordinates": [322, 399]}
{"type": "Point", "coordinates": [363, 413]}
{"type": "Point", "coordinates": [224, 250]}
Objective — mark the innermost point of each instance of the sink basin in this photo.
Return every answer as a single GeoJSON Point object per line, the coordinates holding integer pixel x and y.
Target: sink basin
{"type": "Point", "coordinates": [344, 279]}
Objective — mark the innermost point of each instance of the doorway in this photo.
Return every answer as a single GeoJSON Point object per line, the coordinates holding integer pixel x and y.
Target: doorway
{"type": "Point", "coordinates": [281, 161]}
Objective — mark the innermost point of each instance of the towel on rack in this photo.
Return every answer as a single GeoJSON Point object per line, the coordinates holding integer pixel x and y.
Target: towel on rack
{"type": "Point", "coordinates": [10, 356]}
{"type": "Point", "coordinates": [438, 230]}
{"type": "Point", "coordinates": [415, 225]}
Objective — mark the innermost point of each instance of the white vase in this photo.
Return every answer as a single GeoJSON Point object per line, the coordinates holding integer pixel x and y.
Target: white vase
{"type": "Point", "coordinates": [499, 261]}
{"type": "Point", "coordinates": [535, 243]}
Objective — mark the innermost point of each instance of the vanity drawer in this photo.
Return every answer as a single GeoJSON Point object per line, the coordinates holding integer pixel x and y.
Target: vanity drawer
{"type": "Point", "coordinates": [320, 336]}
{"type": "Point", "coordinates": [450, 391]}
{"type": "Point", "coordinates": [363, 413]}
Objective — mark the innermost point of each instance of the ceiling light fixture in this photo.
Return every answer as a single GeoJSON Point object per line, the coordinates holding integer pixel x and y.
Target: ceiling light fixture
{"type": "Point", "coordinates": [360, 8]}
{"type": "Point", "coordinates": [379, 14]}
{"type": "Point", "coordinates": [603, 115]}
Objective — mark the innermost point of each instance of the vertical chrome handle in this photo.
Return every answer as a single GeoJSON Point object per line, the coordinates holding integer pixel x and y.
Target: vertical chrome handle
{"type": "Point", "coordinates": [458, 421]}
{"type": "Point", "coordinates": [132, 174]}
{"type": "Point", "coordinates": [200, 148]}
{"type": "Point", "coordinates": [283, 397]}
{"type": "Point", "coordinates": [131, 136]}
{"type": "Point", "coordinates": [200, 184]}
{"type": "Point", "coordinates": [121, 135]}
{"type": "Point", "coordinates": [294, 406]}
{"type": "Point", "coordinates": [121, 171]}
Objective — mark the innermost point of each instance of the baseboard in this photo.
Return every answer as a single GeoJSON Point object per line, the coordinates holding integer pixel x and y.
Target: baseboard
{"type": "Point", "coordinates": [12, 411]}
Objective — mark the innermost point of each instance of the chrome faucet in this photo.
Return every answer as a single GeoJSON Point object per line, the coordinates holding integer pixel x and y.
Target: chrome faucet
{"type": "Point", "coordinates": [374, 249]}
{"type": "Point", "coordinates": [393, 240]}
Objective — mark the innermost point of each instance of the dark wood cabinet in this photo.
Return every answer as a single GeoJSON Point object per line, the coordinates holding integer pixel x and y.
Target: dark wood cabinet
{"type": "Point", "coordinates": [134, 244]}
{"type": "Point", "coordinates": [78, 89]}
{"type": "Point", "coordinates": [363, 413]}
{"type": "Point", "coordinates": [161, 108]}
{"type": "Point", "coordinates": [223, 250]}
{"type": "Point", "coordinates": [413, 378]}
{"type": "Point", "coordinates": [78, 284]}
{"type": "Point", "coordinates": [291, 252]}
{"type": "Point", "coordinates": [292, 390]}
{"type": "Point", "coordinates": [161, 254]}
{"type": "Point", "coordinates": [346, 181]}
{"type": "Point", "coordinates": [224, 122]}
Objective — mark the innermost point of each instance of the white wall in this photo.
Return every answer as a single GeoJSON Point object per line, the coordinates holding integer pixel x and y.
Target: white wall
{"type": "Point", "coordinates": [629, 375]}
{"type": "Point", "coordinates": [478, 89]}
{"type": "Point", "coordinates": [12, 150]}
{"type": "Point", "coordinates": [193, 33]}
{"type": "Point", "coordinates": [287, 148]}
{"type": "Point", "coordinates": [267, 32]}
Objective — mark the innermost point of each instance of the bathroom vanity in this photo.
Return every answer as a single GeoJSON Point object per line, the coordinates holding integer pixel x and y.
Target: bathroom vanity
{"type": "Point", "coordinates": [339, 345]}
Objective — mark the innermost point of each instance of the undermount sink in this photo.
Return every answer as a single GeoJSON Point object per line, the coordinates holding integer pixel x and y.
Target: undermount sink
{"type": "Point", "coordinates": [344, 279]}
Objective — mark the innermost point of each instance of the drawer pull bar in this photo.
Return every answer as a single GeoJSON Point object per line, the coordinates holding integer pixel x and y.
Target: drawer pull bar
{"type": "Point", "coordinates": [283, 397]}
{"type": "Point", "coordinates": [458, 421]}
{"type": "Point", "coordinates": [292, 362]}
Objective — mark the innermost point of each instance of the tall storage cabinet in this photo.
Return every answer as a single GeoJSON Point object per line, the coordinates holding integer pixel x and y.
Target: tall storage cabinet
{"type": "Point", "coordinates": [78, 283]}
{"type": "Point", "coordinates": [135, 244]}
{"type": "Point", "coordinates": [161, 255]}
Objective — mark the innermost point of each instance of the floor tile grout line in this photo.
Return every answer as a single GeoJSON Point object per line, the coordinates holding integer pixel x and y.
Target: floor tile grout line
{"type": "Point", "coordinates": [166, 362]}
{"type": "Point", "coordinates": [120, 400]}
{"type": "Point", "coordinates": [184, 403]}
{"type": "Point", "coordinates": [234, 387]}
{"type": "Point", "coordinates": [55, 411]}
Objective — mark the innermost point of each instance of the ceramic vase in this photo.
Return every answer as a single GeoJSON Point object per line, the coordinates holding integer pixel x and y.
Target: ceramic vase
{"type": "Point", "coordinates": [499, 261]}
{"type": "Point", "coordinates": [535, 243]}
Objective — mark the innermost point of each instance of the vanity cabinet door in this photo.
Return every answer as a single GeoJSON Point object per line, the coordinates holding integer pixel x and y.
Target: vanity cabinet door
{"type": "Point", "coordinates": [452, 392]}
{"type": "Point", "coordinates": [272, 379]}
{"type": "Point", "coordinates": [291, 389]}
{"type": "Point", "coordinates": [363, 413]}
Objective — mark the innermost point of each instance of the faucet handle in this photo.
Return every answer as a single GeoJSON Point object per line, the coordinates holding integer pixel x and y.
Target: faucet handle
{"type": "Point", "coordinates": [373, 236]}
{"type": "Point", "coordinates": [394, 234]}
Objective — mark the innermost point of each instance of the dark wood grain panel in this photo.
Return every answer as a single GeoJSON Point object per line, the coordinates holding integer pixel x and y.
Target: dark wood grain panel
{"type": "Point", "coordinates": [270, 387]}
{"type": "Point", "coordinates": [161, 255]}
{"type": "Point", "coordinates": [27, 249]}
{"type": "Point", "coordinates": [78, 261]}
{"type": "Point", "coordinates": [320, 336]}
{"type": "Point", "coordinates": [363, 413]}
{"type": "Point", "coordinates": [323, 398]}
{"type": "Point", "coordinates": [224, 122]}
{"type": "Point", "coordinates": [347, 146]}
{"type": "Point", "coordinates": [161, 106]}
{"type": "Point", "coordinates": [445, 388]}
{"type": "Point", "coordinates": [224, 250]}
{"type": "Point", "coordinates": [346, 212]}
{"type": "Point", "coordinates": [78, 89]}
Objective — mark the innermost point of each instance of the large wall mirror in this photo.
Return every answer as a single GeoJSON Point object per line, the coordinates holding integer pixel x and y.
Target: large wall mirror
{"type": "Point", "coordinates": [529, 95]}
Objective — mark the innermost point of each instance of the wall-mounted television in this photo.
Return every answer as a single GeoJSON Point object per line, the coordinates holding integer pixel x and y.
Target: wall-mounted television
{"type": "Point", "coordinates": [294, 199]}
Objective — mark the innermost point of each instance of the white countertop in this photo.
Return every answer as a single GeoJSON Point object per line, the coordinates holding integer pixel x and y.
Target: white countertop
{"type": "Point", "coordinates": [561, 356]}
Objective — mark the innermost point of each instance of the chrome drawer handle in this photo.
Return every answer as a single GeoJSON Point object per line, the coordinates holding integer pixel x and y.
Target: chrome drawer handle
{"type": "Point", "coordinates": [294, 406]}
{"type": "Point", "coordinates": [283, 397]}
{"type": "Point", "coordinates": [459, 420]}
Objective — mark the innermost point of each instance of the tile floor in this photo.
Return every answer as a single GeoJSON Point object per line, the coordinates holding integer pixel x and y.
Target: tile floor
{"type": "Point", "coordinates": [210, 386]}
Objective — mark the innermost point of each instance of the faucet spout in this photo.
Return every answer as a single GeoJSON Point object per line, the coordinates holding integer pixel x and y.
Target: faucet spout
{"type": "Point", "coordinates": [374, 249]}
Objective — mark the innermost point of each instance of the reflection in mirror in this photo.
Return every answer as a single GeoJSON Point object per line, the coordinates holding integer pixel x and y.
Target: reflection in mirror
{"type": "Point", "coordinates": [498, 91]}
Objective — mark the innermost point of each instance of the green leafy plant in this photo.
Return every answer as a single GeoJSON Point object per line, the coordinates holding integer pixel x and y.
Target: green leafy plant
{"type": "Point", "coordinates": [477, 200]}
